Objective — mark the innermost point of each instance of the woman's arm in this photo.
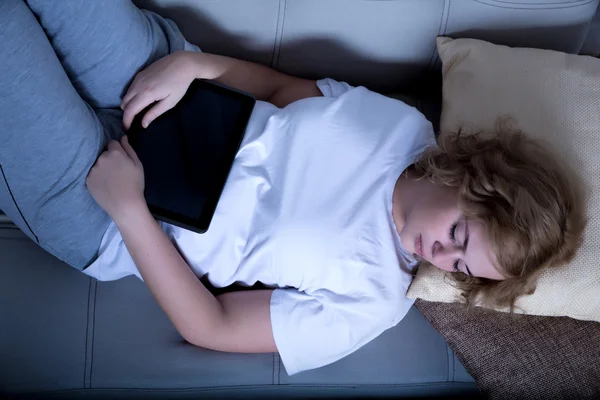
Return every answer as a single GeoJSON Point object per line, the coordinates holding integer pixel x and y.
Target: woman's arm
{"type": "Point", "coordinates": [166, 81]}
{"type": "Point", "coordinates": [234, 322]}
{"type": "Point", "coordinates": [262, 82]}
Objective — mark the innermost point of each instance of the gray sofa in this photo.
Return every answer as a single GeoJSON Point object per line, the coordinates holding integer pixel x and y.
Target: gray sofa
{"type": "Point", "coordinates": [64, 335]}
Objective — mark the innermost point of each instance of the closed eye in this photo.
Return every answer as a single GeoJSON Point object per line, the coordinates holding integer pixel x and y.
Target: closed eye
{"type": "Point", "coordinates": [455, 266]}
{"type": "Point", "coordinates": [453, 231]}
{"type": "Point", "coordinates": [452, 235]}
{"type": "Point", "coordinates": [466, 244]}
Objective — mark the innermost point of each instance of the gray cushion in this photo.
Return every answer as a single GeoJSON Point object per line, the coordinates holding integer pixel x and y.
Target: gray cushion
{"type": "Point", "coordinates": [44, 335]}
{"type": "Point", "coordinates": [64, 331]}
{"type": "Point", "coordinates": [385, 45]}
{"type": "Point", "coordinates": [135, 345]}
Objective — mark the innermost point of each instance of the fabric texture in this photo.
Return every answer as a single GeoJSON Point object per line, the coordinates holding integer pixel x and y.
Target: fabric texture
{"type": "Point", "coordinates": [63, 65]}
{"type": "Point", "coordinates": [102, 45]}
{"type": "Point", "coordinates": [315, 223]}
{"type": "Point", "coordinates": [550, 96]}
{"type": "Point", "coordinates": [520, 356]}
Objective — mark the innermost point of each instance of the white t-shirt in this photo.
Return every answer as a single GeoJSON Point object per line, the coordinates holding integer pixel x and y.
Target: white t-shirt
{"type": "Point", "coordinates": [307, 210]}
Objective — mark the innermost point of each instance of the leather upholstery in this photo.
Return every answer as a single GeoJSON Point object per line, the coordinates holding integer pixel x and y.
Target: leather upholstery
{"type": "Point", "coordinates": [66, 335]}
{"type": "Point", "coordinates": [384, 44]}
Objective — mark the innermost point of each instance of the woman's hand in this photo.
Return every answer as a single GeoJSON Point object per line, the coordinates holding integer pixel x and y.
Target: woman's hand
{"type": "Point", "coordinates": [116, 181]}
{"type": "Point", "coordinates": [164, 82]}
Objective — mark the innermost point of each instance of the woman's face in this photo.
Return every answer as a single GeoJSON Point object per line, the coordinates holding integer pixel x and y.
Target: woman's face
{"type": "Point", "coordinates": [437, 231]}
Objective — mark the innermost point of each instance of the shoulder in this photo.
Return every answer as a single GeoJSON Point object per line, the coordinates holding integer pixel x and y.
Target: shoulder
{"type": "Point", "coordinates": [372, 112]}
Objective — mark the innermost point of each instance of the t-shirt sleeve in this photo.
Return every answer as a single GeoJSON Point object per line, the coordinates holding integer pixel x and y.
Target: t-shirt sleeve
{"type": "Point", "coordinates": [332, 88]}
{"type": "Point", "coordinates": [383, 120]}
{"type": "Point", "coordinates": [313, 330]}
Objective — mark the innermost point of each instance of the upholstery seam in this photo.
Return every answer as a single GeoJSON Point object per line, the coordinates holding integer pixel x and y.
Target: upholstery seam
{"type": "Point", "coordinates": [447, 363]}
{"type": "Point", "coordinates": [281, 30]}
{"type": "Point", "coordinates": [278, 358]}
{"type": "Point", "coordinates": [278, 34]}
{"type": "Point", "coordinates": [273, 366]}
{"type": "Point", "coordinates": [524, 3]}
{"type": "Point", "coordinates": [87, 332]}
{"type": "Point", "coordinates": [434, 54]}
{"type": "Point", "coordinates": [279, 370]}
{"type": "Point", "coordinates": [276, 368]}
{"type": "Point", "coordinates": [93, 335]}
{"type": "Point", "coordinates": [16, 205]}
{"type": "Point", "coordinates": [447, 16]}
{"type": "Point", "coordinates": [448, 7]}
{"type": "Point", "coordinates": [89, 339]}
{"type": "Point", "coordinates": [263, 386]}
{"type": "Point", "coordinates": [545, 7]}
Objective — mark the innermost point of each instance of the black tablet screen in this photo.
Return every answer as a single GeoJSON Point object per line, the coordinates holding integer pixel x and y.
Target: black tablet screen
{"type": "Point", "coordinates": [188, 151]}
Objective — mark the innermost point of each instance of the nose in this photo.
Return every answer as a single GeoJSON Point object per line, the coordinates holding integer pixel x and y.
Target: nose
{"type": "Point", "coordinates": [445, 255]}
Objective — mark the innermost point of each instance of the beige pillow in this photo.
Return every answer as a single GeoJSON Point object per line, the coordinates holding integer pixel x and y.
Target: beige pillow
{"type": "Point", "coordinates": [549, 95]}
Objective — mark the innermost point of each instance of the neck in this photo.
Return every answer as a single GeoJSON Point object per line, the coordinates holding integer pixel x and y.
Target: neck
{"type": "Point", "coordinates": [407, 192]}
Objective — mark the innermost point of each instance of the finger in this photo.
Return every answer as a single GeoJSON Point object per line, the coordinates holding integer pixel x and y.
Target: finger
{"type": "Point", "coordinates": [156, 111]}
{"type": "Point", "coordinates": [129, 150]}
{"type": "Point", "coordinates": [135, 106]}
{"type": "Point", "coordinates": [131, 94]}
{"type": "Point", "coordinates": [126, 106]}
{"type": "Point", "coordinates": [132, 91]}
{"type": "Point", "coordinates": [114, 145]}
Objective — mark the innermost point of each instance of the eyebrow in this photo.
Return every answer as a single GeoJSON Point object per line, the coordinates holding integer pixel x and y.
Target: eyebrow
{"type": "Point", "coordinates": [466, 245]}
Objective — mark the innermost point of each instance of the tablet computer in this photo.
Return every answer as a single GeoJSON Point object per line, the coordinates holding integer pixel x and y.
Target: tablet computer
{"type": "Point", "coordinates": [188, 151]}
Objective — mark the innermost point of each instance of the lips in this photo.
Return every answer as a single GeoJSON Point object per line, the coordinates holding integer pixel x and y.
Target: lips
{"type": "Point", "coordinates": [419, 245]}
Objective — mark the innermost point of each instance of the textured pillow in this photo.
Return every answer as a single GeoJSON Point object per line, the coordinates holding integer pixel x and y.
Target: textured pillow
{"type": "Point", "coordinates": [521, 356]}
{"type": "Point", "coordinates": [551, 96]}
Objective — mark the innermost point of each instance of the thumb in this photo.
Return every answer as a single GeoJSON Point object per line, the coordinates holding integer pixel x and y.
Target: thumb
{"type": "Point", "coordinates": [129, 150]}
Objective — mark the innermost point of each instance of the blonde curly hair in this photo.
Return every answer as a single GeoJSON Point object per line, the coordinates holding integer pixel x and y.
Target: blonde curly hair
{"type": "Point", "coordinates": [531, 204]}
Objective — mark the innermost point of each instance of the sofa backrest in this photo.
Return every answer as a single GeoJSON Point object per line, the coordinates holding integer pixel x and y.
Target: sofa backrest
{"type": "Point", "coordinates": [383, 44]}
